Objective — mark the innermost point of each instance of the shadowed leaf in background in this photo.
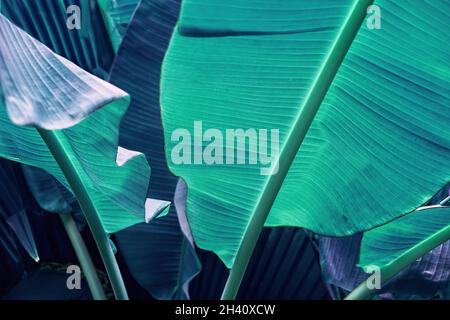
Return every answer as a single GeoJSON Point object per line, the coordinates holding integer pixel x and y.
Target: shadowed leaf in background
{"type": "Point", "coordinates": [46, 20]}
{"type": "Point", "coordinates": [57, 91]}
{"type": "Point", "coordinates": [54, 35]}
{"type": "Point", "coordinates": [161, 246]}
{"type": "Point", "coordinates": [13, 210]}
{"type": "Point", "coordinates": [342, 259]}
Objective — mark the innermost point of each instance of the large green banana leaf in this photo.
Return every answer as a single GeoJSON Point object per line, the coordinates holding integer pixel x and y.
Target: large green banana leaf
{"type": "Point", "coordinates": [46, 90]}
{"type": "Point", "coordinates": [378, 147]}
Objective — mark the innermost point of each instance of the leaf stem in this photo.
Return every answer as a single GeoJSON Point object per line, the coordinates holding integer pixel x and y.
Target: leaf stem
{"type": "Point", "coordinates": [66, 163]}
{"type": "Point", "coordinates": [83, 257]}
{"type": "Point", "coordinates": [293, 142]}
{"type": "Point", "coordinates": [362, 292]}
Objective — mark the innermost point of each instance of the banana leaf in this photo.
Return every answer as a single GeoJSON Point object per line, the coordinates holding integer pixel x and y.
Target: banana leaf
{"type": "Point", "coordinates": [136, 70]}
{"type": "Point", "coordinates": [284, 266]}
{"type": "Point", "coordinates": [42, 89]}
{"type": "Point", "coordinates": [381, 128]}
{"type": "Point", "coordinates": [46, 21]}
{"type": "Point", "coordinates": [163, 246]}
{"type": "Point", "coordinates": [47, 198]}
{"type": "Point", "coordinates": [344, 259]}
{"type": "Point", "coordinates": [426, 278]}
{"type": "Point", "coordinates": [418, 231]}
{"type": "Point", "coordinates": [384, 245]}
{"type": "Point", "coordinates": [40, 235]}
{"type": "Point", "coordinates": [339, 259]}
{"type": "Point", "coordinates": [117, 14]}
{"type": "Point", "coordinates": [12, 268]}
{"type": "Point", "coordinates": [48, 192]}
{"type": "Point", "coordinates": [51, 195]}
{"type": "Point", "coordinates": [47, 285]}
{"type": "Point", "coordinates": [13, 211]}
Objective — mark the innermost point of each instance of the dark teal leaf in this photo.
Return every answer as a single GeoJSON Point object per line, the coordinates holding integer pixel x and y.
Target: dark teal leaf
{"type": "Point", "coordinates": [45, 20]}
{"type": "Point", "coordinates": [338, 259]}
{"type": "Point", "coordinates": [425, 278]}
{"type": "Point", "coordinates": [162, 246]}
{"type": "Point", "coordinates": [12, 207]}
{"type": "Point", "coordinates": [159, 257]}
{"type": "Point", "coordinates": [117, 15]}
{"type": "Point", "coordinates": [284, 266]}
{"type": "Point", "coordinates": [165, 249]}
{"type": "Point", "coordinates": [137, 70]}
{"type": "Point", "coordinates": [11, 267]}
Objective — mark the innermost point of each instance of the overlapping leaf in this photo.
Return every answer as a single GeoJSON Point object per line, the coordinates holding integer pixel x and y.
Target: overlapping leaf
{"type": "Point", "coordinates": [424, 279]}
{"type": "Point", "coordinates": [46, 21]}
{"type": "Point", "coordinates": [13, 211]}
{"type": "Point", "coordinates": [12, 267]}
{"type": "Point", "coordinates": [48, 192]}
{"type": "Point", "coordinates": [170, 284]}
{"type": "Point", "coordinates": [419, 230]}
{"type": "Point", "coordinates": [343, 259]}
{"type": "Point", "coordinates": [116, 178]}
{"type": "Point", "coordinates": [160, 246]}
{"type": "Point", "coordinates": [339, 259]}
{"type": "Point", "coordinates": [164, 248]}
{"type": "Point", "coordinates": [386, 244]}
{"type": "Point", "coordinates": [117, 15]}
